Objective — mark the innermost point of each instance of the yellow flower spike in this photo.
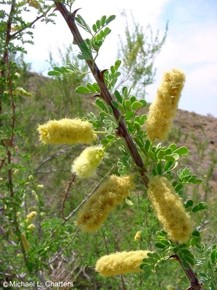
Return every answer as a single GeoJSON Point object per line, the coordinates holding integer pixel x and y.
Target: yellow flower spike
{"type": "Point", "coordinates": [67, 131]}
{"type": "Point", "coordinates": [170, 209]}
{"type": "Point", "coordinates": [31, 227]}
{"type": "Point", "coordinates": [31, 216]}
{"type": "Point", "coordinates": [164, 107]}
{"type": "Point", "coordinates": [34, 3]}
{"type": "Point", "coordinates": [120, 263]}
{"type": "Point", "coordinates": [137, 236]}
{"type": "Point", "coordinates": [85, 165]}
{"type": "Point", "coordinates": [25, 242]}
{"type": "Point", "coordinates": [97, 208]}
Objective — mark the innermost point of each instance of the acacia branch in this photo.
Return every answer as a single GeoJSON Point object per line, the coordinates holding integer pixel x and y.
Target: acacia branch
{"type": "Point", "coordinates": [192, 277]}
{"type": "Point", "coordinates": [66, 193]}
{"type": "Point", "coordinates": [122, 129]}
{"type": "Point", "coordinates": [104, 92]}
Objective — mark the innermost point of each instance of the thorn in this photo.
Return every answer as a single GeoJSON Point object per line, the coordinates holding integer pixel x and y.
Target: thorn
{"type": "Point", "coordinates": [74, 13]}
{"type": "Point", "coordinates": [101, 74]}
{"type": "Point", "coordinates": [97, 95]}
{"type": "Point", "coordinates": [174, 257]}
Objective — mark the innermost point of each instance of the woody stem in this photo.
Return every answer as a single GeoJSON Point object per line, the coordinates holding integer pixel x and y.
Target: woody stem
{"type": "Point", "coordinates": [122, 128]}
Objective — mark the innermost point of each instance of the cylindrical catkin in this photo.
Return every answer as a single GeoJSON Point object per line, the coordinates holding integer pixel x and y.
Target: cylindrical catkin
{"type": "Point", "coordinates": [66, 131]}
{"type": "Point", "coordinates": [164, 107]}
{"type": "Point", "coordinates": [86, 163]}
{"type": "Point", "coordinates": [120, 263]}
{"type": "Point", "coordinates": [169, 209]}
{"type": "Point", "coordinates": [109, 194]}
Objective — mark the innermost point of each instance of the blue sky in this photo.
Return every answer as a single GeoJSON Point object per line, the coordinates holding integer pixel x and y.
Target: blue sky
{"type": "Point", "coordinates": [191, 43]}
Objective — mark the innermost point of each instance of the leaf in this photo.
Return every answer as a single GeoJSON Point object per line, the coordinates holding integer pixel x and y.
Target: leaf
{"type": "Point", "coordinates": [159, 168]}
{"type": "Point", "coordinates": [82, 90]}
{"type": "Point", "coordinates": [133, 99]}
{"type": "Point", "coordinates": [160, 154]}
{"type": "Point", "coordinates": [127, 104]}
{"type": "Point", "coordinates": [213, 256]}
{"type": "Point", "coordinates": [103, 20]}
{"type": "Point", "coordinates": [196, 233]}
{"type": "Point", "coordinates": [139, 141]}
{"type": "Point", "coordinates": [117, 64]}
{"type": "Point", "coordinates": [160, 245]}
{"type": "Point", "coordinates": [53, 73]}
{"type": "Point", "coordinates": [110, 19]}
{"type": "Point", "coordinates": [175, 156]}
{"type": "Point", "coordinates": [94, 88]}
{"type": "Point", "coordinates": [129, 115]}
{"type": "Point", "coordinates": [85, 53]}
{"type": "Point", "coordinates": [170, 166]}
{"type": "Point", "coordinates": [101, 105]}
{"type": "Point", "coordinates": [115, 104]}
{"type": "Point", "coordinates": [173, 147]}
{"type": "Point", "coordinates": [144, 103]}
{"type": "Point", "coordinates": [147, 271]}
{"type": "Point", "coordinates": [165, 242]}
{"type": "Point", "coordinates": [187, 256]}
{"type": "Point", "coordinates": [199, 206]}
{"type": "Point", "coordinates": [106, 31]}
{"type": "Point", "coordinates": [147, 145]}
{"type": "Point", "coordinates": [84, 56]}
{"type": "Point", "coordinates": [118, 96]}
{"type": "Point", "coordinates": [170, 158]}
{"type": "Point", "coordinates": [82, 23]}
{"type": "Point", "coordinates": [143, 118]}
{"type": "Point", "coordinates": [178, 187]}
{"type": "Point", "coordinates": [128, 201]}
{"type": "Point", "coordinates": [94, 27]}
{"type": "Point", "coordinates": [182, 151]}
{"type": "Point", "coordinates": [59, 70]}
{"type": "Point", "coordinates": [153, 257]}
{"type": "Point", "coordinates": [168, 151]}
{"type": "Point", "coordinates": [190, 259]}
{"type": "Point", "coordinates": [136, 105]}
{"type": "Point", "coordinates": [104, 142]}
{"type": "Point", "coordinates": [189, 203]}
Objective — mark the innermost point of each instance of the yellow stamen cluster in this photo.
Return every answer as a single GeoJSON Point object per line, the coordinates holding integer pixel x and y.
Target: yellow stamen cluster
{"type": "Point", "coordinates": [137, 236]}
{"type": "Point", "coordinates": [31, 227]}
{"type": "Point", "coordinates": [85, 165]}
{"type": "Point", "coordinates": [34, 3]}
{"type": "Point", "coordinates": [169, 209]}
{"type": "Point", "coordinates": [164, 107]}
{"type": "Point", "coordinates": [109, 194]}
{"type": "Point", "coordinates": [67, 131]}
{"type": "Point", "coordinates": [24, 242]}
{"type": "Point", "coordinates": [120, 263]}
{"type": "Point", "coordinates": [31, 216]}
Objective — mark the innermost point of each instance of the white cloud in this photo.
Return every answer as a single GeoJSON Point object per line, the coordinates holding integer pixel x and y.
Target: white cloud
{"type": "Point", "coordinates": [50, 38]}
{"type": "Point", "coordinates": [191, 45]}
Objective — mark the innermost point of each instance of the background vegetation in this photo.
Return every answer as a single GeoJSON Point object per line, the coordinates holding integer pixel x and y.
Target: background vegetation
{"type": "Point", "coordinates": [38, 178]}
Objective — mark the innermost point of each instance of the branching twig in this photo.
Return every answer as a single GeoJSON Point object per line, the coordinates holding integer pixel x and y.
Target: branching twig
{"type": "Point", "coordinates": [192, 277]}
{"type": "Point", "coordinates": [87, 197]}
{"type": "Point", "coordinates": [49, 158]}
{"type": "Point", "coordinates": [29, 25]}
{"type": "Point", "coordinates": [66, 193]}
